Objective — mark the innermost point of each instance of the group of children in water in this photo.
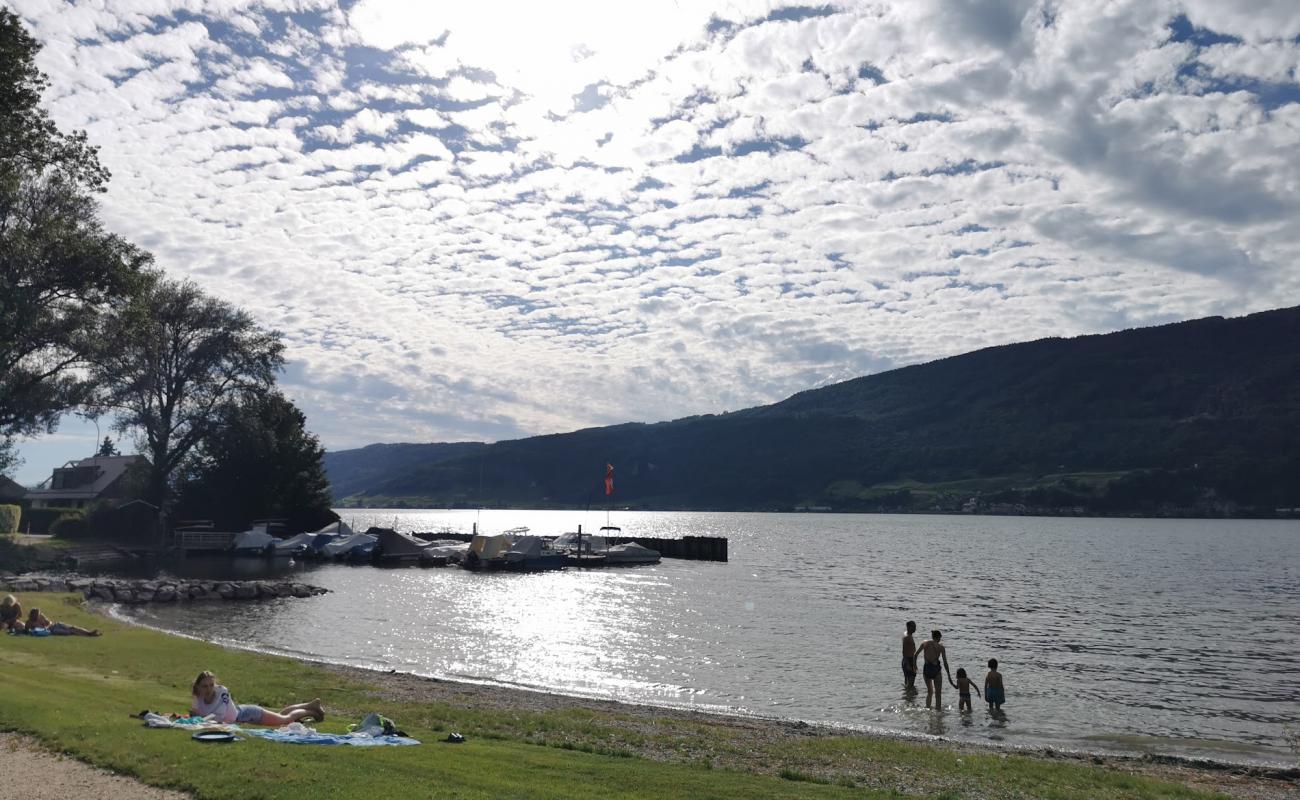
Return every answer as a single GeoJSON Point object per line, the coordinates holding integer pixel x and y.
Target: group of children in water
{"type": "Point", "coordinates": [934, 656]}
{"type": "Point", "coordinates": [37, 624]}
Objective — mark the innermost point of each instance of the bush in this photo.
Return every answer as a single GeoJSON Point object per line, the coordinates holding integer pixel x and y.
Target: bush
{"type": "Point", "coordinates": [70, 525]}
{"type": "Point", "coordinates": [9, 517]}
{"type": "Point", "coordinates": [39, 520]}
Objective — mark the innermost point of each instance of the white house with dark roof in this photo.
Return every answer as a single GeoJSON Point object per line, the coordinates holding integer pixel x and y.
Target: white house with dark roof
{"type": "Point", "coordinates": [80, 483]}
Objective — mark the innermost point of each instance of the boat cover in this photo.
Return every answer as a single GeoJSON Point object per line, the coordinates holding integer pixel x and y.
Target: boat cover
{"type": "Point", "coordinates": [486, 547]}
{"type": "Point", "coordinates": [255, 538]}
{"type": "Point", "coordinates": [630, 553]}
{"type": "Point", "coordinates": [338, 527]}
{"type": "Point", "coordinates": [394, 544]}
{"type": "Point", "coordinates": [524, 547]}
{"type": "Point", "coordinates": [301, 540]}
{"type": "Point", "coordinates": [347, 543]}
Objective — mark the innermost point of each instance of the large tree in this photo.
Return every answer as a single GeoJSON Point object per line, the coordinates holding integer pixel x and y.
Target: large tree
{"type": "Point", "coordinates": [178, 357]}
{"type": "Point", "coordinates": [29, 139]}
{"type": "Point", "coordinates": [259, 462]}
{"type": "Point", "coordinates": [58, 267]}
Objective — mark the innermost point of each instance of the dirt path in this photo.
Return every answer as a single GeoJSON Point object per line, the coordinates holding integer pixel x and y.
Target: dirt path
{"type": "Point", "coordinates": [29, 773]}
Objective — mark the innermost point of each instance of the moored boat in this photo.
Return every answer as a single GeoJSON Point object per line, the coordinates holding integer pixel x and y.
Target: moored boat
{"type": "Point", "coordinates": [253, 542]}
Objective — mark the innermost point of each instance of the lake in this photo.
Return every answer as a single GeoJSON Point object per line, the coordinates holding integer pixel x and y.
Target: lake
{"type": "Point", "coordinates": [1168, 636]}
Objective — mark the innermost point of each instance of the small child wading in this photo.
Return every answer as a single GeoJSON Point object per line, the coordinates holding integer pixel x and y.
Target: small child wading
{"type": "Point", "coordinates": [963, 686]}
{"type": "Point", "coordinates": [993, 692]}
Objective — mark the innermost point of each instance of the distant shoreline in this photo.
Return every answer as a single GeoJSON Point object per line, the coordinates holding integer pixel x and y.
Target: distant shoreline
{"type": "Point", "coordinates": [1293, 514]}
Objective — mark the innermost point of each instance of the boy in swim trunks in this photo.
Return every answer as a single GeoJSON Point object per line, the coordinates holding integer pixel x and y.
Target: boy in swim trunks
{"type": "Point", "coordinates": [963, 687]}
{"type": "Point", "coordinates": [909, 656]}
{"type": "Point", "coordinates": [994, 695]}
{"type": "Point", "coordinates": [934, 654]}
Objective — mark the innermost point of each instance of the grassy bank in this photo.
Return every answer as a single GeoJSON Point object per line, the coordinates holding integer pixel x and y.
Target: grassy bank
{"type": "Point", "coordinates": [75, 694]}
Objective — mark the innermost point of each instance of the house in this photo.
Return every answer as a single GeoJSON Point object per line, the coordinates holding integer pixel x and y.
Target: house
{"type": "Point", "coordinates": [10, 491]}
{"type": "Point", "coordinates": [77, 484]}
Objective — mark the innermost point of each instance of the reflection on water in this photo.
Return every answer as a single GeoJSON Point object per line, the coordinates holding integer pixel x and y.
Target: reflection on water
{"type": "Point", "coordinates": [1106, 630]}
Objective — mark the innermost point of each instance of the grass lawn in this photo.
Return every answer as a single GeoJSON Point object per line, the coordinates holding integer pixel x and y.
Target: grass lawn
{"type": "Point", "coordinates": [75, 694]}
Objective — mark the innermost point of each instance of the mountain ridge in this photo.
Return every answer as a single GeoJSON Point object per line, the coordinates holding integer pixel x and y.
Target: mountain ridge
{"type": "Point", "coordinates": [1198, 417]}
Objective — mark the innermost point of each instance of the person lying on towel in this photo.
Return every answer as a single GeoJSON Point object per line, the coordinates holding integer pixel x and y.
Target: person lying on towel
{"type": "Point", "coordinates": [37, 621]}
{"type": "Point", "coordinates": [214, 700]}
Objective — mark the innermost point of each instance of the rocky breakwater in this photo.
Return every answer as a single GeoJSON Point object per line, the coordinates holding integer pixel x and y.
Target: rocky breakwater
{"type": "Point", "coordinates": [138, 592]}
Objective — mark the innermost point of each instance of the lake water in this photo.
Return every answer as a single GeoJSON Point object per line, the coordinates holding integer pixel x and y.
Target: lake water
{"type": "Point", "coordinates": [1169, 636]}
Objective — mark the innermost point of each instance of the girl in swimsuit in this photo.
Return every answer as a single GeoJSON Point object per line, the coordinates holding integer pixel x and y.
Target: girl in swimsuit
{"type": "Point", "coordinates": [210, 698]}
{"type": "Point", "coordinates": [963, 687]}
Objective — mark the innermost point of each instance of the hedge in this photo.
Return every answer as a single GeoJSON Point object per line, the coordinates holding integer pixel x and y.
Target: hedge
{"type": "Point", "coordinates": [9, 518]}
{"type": "Point", "coordinates": [70, 525]}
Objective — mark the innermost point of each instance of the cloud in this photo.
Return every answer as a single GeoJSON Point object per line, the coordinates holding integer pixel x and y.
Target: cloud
{"type": "Point", "coordinates": [605, 212]}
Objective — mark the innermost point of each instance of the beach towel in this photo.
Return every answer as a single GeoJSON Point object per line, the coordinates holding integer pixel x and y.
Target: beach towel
{"type": "Point", "coordinates": [297, 733]}
{"type": "Point", "coordinates": [152, 720]}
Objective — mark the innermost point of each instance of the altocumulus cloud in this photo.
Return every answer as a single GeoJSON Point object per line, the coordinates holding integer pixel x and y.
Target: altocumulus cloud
{"type": "Point", "coordinates": [487, 220]}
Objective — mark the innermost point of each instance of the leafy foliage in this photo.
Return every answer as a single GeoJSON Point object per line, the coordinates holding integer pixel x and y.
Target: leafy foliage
{"type": "Point", "coordinates": [258, 462]}
{"type": "Point", "coordinates": [71, 524]}
{"type": "Point", "coordinates": [58, 266]}
{"type": "Point", "coordinates": [179, 356]}
{"type": "Point", "coordinates": [1197, 417]}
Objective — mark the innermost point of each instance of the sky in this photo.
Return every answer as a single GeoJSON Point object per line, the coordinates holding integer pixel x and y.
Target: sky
{"type": "Point", "coordinates": [489, 220]}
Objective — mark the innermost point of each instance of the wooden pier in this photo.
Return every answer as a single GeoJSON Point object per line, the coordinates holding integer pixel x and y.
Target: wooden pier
{"type": "Point", "coordinates": [203, 541]}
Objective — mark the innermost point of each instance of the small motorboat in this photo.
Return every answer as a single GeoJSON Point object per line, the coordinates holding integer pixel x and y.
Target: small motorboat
{"type": "Point", "coordinates": [358, 546]}
{"type": "Point", "coordinates": [398, 548]}
{"type": "Point", "coordinates": [530, 554]}
{"type": "Point", "coordinates": [513, 550]}
{"type": "Point", "coordinates": [253, 542]}
{"type": "Point", "coordinates": [595, 551]}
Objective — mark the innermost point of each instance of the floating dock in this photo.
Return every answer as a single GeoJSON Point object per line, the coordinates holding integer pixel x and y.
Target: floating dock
{"type": "Point", "coordinates": [691, 548]}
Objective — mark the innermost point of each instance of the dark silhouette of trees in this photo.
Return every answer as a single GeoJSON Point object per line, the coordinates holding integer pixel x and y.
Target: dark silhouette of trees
{"type": "Point", "coordinates": [257, 462]}
{"type": "Point", "coordinates": [178, 357]}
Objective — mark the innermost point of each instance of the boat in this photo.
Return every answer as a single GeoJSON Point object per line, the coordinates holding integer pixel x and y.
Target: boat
{"type": "Point", "coordinates": [293, 547]}
{"type": "Point", "coordinates": [530, 554]}
{"type": "Point", "coordinates": [354, 547]}
{"type": "Point", "coordinates": [512, 550]}
{"type": "Point", "coordinates": [399, 548]}
{"type": "Point", "coordinates": [629, 553]}
{"type": "Point", "coordinates": [253, 542]}
{"type": "Point", "coordinates": [595, 551]}
{"type": "Point", "coordinates": [451, 550]}
{"type": "Point", "coordinates": [485, 550]}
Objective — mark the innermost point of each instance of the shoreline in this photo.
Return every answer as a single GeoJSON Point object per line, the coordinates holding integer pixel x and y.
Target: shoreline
{"type": "Point", "coordinates": [1258, 780]}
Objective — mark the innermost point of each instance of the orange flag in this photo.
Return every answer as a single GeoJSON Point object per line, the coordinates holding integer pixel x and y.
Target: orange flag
{"type": "Point", "coordinates": [609, 479]}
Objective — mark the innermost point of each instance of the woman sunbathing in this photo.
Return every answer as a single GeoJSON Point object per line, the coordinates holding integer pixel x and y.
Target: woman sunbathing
{"type": "Point", "coordinates": [36, 620]}
{"type": "Point", "coordinates": [211, 698]}
{"type": "Point", "coordinates": [11, 614]}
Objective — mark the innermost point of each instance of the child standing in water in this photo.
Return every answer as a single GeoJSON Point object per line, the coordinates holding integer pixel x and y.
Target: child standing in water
{"type": "Point", "coordinates": [963, 686]}
{"type": "Point", "coordinates": [993, 692]}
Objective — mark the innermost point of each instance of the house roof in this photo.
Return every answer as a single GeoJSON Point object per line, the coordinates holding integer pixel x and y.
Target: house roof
{"type": "Point", "coordinates": [10, 489]}
{"type": "Point", "coordinates": [107, 470]}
